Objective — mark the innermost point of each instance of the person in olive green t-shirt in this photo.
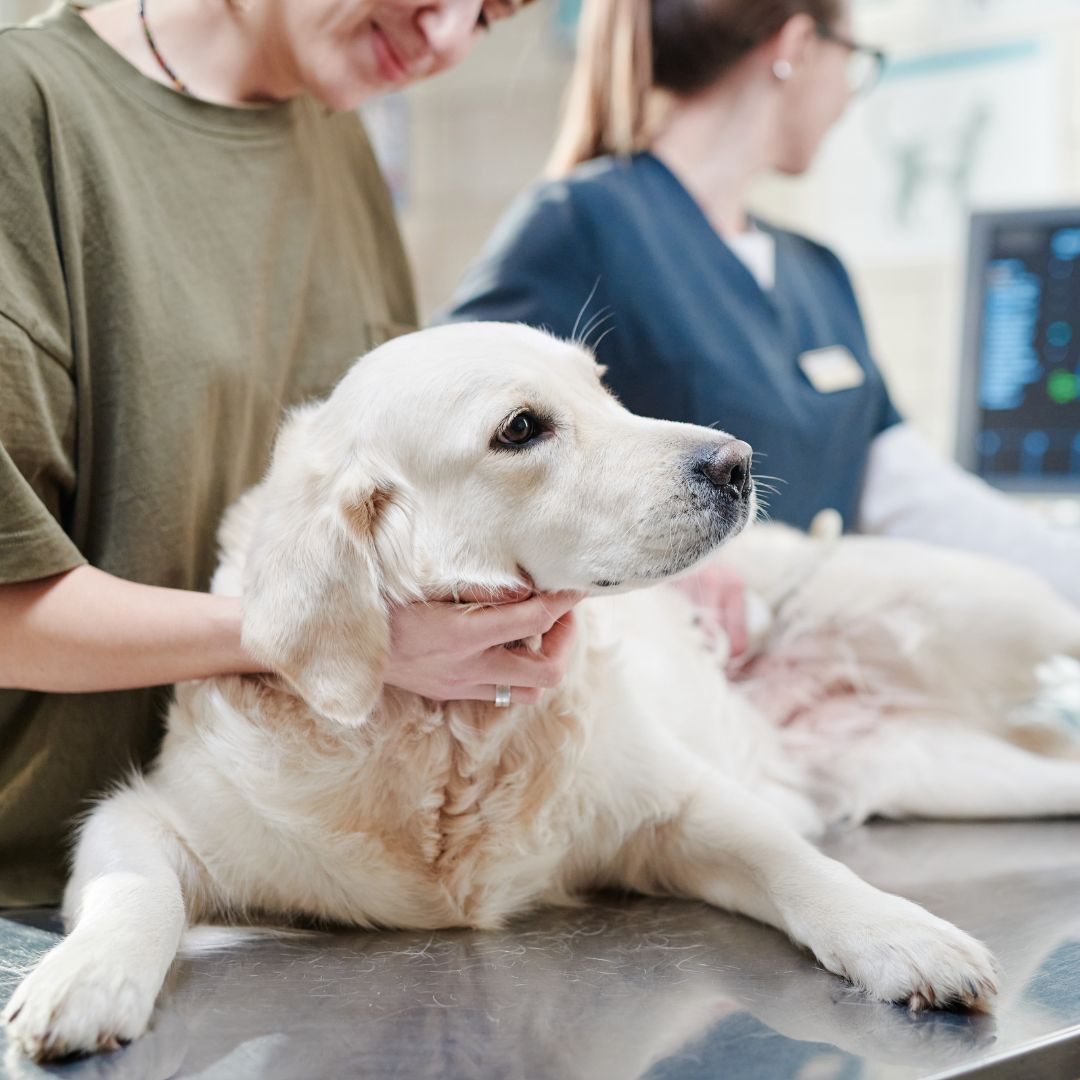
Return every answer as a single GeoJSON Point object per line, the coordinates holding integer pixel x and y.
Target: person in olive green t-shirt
{"type": "Point", "coordinates": [193, 237]}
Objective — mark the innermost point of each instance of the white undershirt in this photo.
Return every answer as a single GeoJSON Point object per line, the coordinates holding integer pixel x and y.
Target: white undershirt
{"type": "Point", "coordinates": [756, 250]}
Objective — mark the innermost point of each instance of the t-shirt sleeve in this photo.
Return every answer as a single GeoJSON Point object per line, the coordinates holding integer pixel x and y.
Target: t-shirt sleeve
{"type": "Point", "coordinates": [37, 390]}
{"type": "Point", "coordinates": [37, 450]}
{"type": "Point", "coordinates": [33, 291]}
{"type": "Point", "coordinates": [537, 269]}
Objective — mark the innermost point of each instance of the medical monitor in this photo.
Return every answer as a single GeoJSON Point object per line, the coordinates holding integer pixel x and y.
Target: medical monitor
{"type": "Point", "coordinates": [1019, 403]}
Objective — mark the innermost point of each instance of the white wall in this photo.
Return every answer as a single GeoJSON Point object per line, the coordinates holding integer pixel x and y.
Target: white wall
{"type": "Point", "coordinates": [479, 135]}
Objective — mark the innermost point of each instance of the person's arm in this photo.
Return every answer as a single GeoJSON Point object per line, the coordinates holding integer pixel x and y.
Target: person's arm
{"type": "Point", "coordinates": [85, 630]}
{"type": "Point", "coordinates": [912, 492]}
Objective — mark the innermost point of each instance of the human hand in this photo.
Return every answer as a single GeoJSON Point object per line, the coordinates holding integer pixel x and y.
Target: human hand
{"type": "Point", "coordinates": [457, 651]}
{"type": "Point", "coordinates": [720, 594]}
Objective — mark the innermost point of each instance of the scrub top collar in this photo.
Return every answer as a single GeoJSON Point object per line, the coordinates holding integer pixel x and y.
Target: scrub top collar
{"type": "Point", "coordinates": [741, 278]}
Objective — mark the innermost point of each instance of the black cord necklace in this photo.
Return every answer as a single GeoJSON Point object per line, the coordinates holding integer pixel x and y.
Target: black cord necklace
{"type": "Point", "coordinates": [173, 77]}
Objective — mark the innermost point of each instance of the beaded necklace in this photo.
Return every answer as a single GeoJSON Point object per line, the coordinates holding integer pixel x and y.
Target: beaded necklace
{"type": "Point", "coordinates": [173, 77]}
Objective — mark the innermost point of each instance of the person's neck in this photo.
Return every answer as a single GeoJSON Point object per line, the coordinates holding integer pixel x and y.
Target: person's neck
{"type": "Point", "coordinates": [223, 53]}
{"type": "Point", "coordinates": [716, 143]}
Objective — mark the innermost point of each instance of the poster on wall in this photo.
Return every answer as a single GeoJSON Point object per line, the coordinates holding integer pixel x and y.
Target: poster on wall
{"type": "Point", "coordinates": [943, 133]}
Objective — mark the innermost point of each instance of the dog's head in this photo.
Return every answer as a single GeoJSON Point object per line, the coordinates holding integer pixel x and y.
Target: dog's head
{"type": "Point", "coordinates": [479, 454]}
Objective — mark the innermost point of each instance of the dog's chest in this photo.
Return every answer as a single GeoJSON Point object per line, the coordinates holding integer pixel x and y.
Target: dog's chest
{"type": "Point", "coordinates": [436, 816]}
{"type": "Point", "coordinates": [475, 786]}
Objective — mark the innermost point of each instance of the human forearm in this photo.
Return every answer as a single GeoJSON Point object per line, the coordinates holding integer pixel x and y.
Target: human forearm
{"type": "Point", "coordinates": [912, 492]}
{"type": "Point", "coordinates": [86, 630]}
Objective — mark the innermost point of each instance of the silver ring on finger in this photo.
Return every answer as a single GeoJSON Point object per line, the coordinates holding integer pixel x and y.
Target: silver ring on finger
{"type": "Point", "coordinates": [502, 697]}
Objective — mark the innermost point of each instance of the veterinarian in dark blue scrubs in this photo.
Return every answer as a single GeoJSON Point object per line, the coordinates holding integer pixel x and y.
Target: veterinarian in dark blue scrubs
{"type": "Point", "coordinates": [686, 330]}
{"type": "Point", "coordinates": [642, 246]}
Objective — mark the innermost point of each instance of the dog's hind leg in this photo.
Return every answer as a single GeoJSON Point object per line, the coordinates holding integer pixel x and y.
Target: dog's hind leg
{"type": "Point", "coordinates": [730, 848]}
{"type": "Point", "coordinates": [910, 771]}
{"type": "Point", "coordinates": [125, 910]}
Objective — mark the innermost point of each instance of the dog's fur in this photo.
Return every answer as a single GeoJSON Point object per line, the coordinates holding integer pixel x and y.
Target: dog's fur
{"type": "Point", "coordinates": [886, 679]}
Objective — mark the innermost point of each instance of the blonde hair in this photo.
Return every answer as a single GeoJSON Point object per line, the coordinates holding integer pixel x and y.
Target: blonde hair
{"type": "Point", "coordinates": [627, 50]}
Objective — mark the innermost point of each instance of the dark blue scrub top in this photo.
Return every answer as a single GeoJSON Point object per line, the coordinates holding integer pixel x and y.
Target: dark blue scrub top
{"type": "Point", "coordinates": [687, 332]}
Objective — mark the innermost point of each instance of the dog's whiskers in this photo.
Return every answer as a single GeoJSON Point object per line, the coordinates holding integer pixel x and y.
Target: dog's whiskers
{"type": "Point", "coordinates": [584, 308]}
{"type": "Point", "coordinates": [599, 318]}
{"type": "Point", "coordinates": [596, 345]}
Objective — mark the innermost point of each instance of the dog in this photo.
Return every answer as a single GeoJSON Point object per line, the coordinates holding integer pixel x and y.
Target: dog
{"type": "Point", "coordinates": [885, 678]}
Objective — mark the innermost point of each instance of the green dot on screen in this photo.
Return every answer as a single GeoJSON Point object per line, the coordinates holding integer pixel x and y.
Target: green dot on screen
{"type": "Point", "coordinates": [1063, 387]}
{"type": "Point", "coordinates": [1059, 333]}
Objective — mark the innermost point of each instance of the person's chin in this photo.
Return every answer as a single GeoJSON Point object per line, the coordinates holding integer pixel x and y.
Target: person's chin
{"type": "Point", "coordinates": [344, 80]}
{"type": "Point", "coordinates": [796, 165]}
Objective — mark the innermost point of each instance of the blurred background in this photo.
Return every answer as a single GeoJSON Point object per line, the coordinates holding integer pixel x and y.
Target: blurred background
{"type": "Point", "coordinates": [979, 109]}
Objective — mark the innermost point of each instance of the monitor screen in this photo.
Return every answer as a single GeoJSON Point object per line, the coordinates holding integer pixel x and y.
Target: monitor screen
{"type": "Point", "coordinates": [1020, 388]}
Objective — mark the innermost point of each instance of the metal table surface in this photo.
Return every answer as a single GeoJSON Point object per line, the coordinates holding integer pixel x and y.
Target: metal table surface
{"type": "Point", "coordinates": [626, 988]}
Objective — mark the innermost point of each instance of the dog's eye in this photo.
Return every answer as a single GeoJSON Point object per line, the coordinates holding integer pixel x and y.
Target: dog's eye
{"type": "Point", "coordinates": [520, 429]}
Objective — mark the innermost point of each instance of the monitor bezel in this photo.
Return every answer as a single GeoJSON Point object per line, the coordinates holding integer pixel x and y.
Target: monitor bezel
{"type": "Point", "coordinates": [983, 225]}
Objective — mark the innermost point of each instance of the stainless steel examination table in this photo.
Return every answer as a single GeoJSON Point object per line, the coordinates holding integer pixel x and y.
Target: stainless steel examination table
{"type": "Point", "coordinates": [627, 988]}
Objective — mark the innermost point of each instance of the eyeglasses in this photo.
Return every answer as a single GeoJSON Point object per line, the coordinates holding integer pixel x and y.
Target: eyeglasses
{"type": "Point", "coordinates": [865, 63]}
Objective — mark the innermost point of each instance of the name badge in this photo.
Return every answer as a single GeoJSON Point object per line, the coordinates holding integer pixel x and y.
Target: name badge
{"type": "Point", "coordinates": [832, 369]}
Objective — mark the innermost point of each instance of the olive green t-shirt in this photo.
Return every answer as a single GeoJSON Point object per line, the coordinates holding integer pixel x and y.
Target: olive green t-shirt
{"type": "Point", "coordinates": [173, 274]}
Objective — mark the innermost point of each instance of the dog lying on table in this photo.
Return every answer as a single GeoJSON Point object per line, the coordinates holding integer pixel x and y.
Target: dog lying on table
{"type": "Point", "coordinates": [893, 680]}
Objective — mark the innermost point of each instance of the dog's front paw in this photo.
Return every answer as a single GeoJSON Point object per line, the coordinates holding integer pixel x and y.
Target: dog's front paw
{"type": "Point", "coordinates": [79, 1000]}
{"type": "Point", "coordinates": [897, 951]}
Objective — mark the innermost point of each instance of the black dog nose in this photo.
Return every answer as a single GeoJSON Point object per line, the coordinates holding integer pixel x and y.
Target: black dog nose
{"type": "Point", "coordinates": [728, 466]}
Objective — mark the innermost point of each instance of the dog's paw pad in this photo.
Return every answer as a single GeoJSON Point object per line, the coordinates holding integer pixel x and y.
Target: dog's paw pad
{"type": "Point", "coordinates": [903, 954]}
{"type": "Point", "coordinates": [77, 1003]}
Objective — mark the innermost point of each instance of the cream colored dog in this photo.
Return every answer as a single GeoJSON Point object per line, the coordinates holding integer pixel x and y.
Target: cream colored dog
{"type": "Point", "coordinates": [890, 681]}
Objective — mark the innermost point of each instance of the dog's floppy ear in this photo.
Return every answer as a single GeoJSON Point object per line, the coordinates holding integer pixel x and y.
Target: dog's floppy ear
{"type": "Point", "coordinates": [315, 608]}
